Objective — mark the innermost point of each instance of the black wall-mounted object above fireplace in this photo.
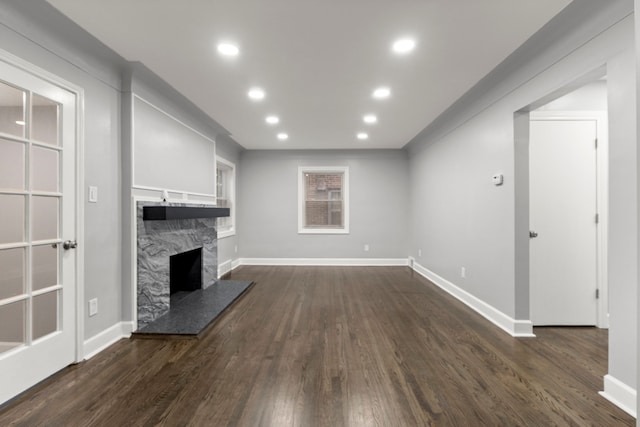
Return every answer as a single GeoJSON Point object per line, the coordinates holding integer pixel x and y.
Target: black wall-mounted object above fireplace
{"type": "Point", "coordinates": [165, 213]}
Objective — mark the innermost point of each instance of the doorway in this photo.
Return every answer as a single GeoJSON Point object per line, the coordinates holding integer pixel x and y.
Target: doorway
{"type": "Point", "coordinates": [38, 205]}
{"type": "Point", "coordinates": [567, 209]}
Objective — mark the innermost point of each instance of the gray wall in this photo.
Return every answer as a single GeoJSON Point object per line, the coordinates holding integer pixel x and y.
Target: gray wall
{"type": "Point", "coordinates": [623, 211]}
{"type": "Point", "coordinates": [25, 31]}
{"type": "Point", "coordinates": [460, 219]}
{"type": "Point", "coordinates": [268, 209]}
{"type": "Point", "coordinates": [590, 97]}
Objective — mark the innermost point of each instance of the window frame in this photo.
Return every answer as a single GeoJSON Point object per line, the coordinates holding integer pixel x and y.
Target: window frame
{"type": "Point", "coordinates": [302, 170]}
{"type": "Point", "coordinates": [231, 167]}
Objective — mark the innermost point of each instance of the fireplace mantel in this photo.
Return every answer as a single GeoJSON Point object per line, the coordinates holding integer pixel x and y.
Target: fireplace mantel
{"type": "Point", "coordinates": [165, 213]}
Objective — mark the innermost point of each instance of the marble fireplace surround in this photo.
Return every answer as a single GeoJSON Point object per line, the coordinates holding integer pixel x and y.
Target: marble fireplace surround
{"type": "Point", "coordinates": [163, 230]}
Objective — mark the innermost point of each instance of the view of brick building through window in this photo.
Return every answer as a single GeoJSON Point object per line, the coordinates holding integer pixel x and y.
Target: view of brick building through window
{"type": "Point", "coordinates": [323, 200]}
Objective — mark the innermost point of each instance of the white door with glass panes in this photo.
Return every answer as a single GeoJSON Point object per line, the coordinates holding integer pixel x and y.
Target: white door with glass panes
{"type": "Point", "coordinates": [37, 223]}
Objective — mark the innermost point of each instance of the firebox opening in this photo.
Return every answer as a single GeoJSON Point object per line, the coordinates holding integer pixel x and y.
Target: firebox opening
{"type": "Point", "coordinates": [185, 273]}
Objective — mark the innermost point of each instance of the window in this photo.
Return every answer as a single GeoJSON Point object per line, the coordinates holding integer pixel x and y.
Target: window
{"type": "Point", "coordinates": [226, 196]}
{"type": "Point", "coordinates": [323, 200]}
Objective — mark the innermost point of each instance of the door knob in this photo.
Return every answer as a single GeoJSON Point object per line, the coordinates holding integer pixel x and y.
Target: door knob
{"type": "Point", "coordinates": [533, 234]}
{"type": "Point", "coordinates": [69, 244]}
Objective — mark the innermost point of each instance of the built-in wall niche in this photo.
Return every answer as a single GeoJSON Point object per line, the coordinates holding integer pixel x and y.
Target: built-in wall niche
{"type": "Point", "coordinates": [168, 154]}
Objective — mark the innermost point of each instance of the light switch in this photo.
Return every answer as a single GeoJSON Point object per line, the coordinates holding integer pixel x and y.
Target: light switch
{"type": "Point", "coordinates": [93, 194]}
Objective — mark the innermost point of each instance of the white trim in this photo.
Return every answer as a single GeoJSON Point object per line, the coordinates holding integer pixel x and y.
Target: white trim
{"type": "Point", "coordinates": [225, 234]}
{"type": "Point", "coordinates": [134, 258]}
{"type": "Point", "coordinates": [390, 262]}
{"type": "Point", "coordinates": [345, 199]}
{"type": "Point", "coordinates": [106, 338]}
{"type": "Point", "coordinates": [170, 190]}
{"type": "Point", "coordinates": [227, 267]}
{"type": "Point", "coordinates": [516, 328]}
{"type": "Point", "coordinates": [602, 198]}
{"type": "Point", "coordinates": [620, 394]}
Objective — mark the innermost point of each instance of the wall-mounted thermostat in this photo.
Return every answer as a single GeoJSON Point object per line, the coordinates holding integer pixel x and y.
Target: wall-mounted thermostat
{"type": "Point", "coordinates": [497, 179]}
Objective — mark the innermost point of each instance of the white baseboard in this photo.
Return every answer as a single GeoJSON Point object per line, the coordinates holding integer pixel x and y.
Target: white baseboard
{"type": "Point", "coordinates": [516, 328]}
{"type": "Point", "coordinates": [228, 266]}
{"type": "Point", "coordinates": [620, 394]}
{"type": "Point", "coordinates": [387, 262]}
{"type": "Point", "coordinates": [104, 339]}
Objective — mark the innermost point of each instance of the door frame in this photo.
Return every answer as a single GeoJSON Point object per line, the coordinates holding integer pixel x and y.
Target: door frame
{"type": "Point", "coordinates": [78, 92]}
{"type": "Point", "coordinates": [602, 198]}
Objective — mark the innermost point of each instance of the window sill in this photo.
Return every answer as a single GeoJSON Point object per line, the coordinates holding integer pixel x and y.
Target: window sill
{"type": "Point", "coordinates": [227, 233]}
{"type": "Point", "coordinates": [322, 231]}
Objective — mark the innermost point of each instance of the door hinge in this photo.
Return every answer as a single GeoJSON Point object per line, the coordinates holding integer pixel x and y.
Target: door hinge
{"type": "Point", "coordinates": [597, 218]}
{"type": "Point", "coordinates": [597, 293]}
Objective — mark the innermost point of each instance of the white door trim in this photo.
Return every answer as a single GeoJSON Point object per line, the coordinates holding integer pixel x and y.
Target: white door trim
{"type": "Point", "coordinates": [47, 76]}
{"type": "Point", "coordinates": [602, 197]}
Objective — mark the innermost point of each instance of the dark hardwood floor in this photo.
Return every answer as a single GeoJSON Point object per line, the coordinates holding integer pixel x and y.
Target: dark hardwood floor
{"type": "Point", "coordinates": [335, 346]}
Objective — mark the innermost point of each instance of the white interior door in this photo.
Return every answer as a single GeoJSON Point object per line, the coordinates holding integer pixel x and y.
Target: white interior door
{"type": "Point", "coordinates": [563, 256]}
{"type": "Point", "coordinates": [37, 214]}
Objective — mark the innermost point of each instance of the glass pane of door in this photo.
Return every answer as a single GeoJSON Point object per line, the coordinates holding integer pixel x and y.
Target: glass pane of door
{"type": "Point", "coordinates": [44, 120]}
{"type": "Point", "coordinates": [44, 214]}
{"type": "Point", "coordinates": [12, 109]}
{"type": "Point", "coordinates": [12, 172]}
{"type": "Point", "coordinates": [44, 266]}
{"type": "Point", "coordinates": [13, 219]}
{"type": "Point", "coordinates": [45, 314]}
{"type": "Point", "coordinates": [12, 325]}
{"type": "Point", "coordinates": [12, 279]}
{"type": "Point", "coordinates": [44, 169]}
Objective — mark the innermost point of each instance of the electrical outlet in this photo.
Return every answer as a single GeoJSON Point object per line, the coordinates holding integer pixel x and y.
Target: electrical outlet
{"type": "Point", "coordinates": [93, 307]}
{"type": "Point", "coordinates": [366, 248]}
{"type": "Point", "coordinates": [463, 272]}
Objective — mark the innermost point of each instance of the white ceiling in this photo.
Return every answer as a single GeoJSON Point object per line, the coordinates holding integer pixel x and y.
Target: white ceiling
{"type": "Point", "coordinates": [317, 60]}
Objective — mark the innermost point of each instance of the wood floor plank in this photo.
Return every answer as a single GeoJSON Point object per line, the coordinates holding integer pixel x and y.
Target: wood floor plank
{"type": "Point", "coordinates": [335, 346]}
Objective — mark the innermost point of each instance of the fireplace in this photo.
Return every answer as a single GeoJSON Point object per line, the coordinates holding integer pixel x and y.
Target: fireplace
{"type": "Point", "coordinates": [175, 242]}
{"type": "Point", "coordinates": [185, 271]}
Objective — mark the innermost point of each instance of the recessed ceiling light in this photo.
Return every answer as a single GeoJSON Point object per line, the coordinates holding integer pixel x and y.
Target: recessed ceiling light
{"type": "Point", "coordinates": [228, 49]}
{"type": "Point", "coordinates": [382, 92]}
{"type": "Point", "coordinates": [20, 122]}
{"type": "Point", "coordinates": [370, 118]}
{"type": "Point", "coordinates": [272, 120]}
{"type": "Point", "coordinates": [404, 45]}
{"type": "Point", "coordinates": [363, 135]}
{"type": "Point", "coordinates": [256, 93]}
{"type": "Point", "coordinates": [283, 136]}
